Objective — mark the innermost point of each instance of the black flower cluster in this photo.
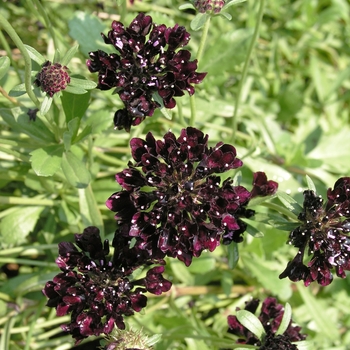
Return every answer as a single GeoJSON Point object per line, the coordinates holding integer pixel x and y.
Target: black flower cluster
{"type": "Point", "coordinates": [173, 203]}
{"type": "Point", "coordinates": [146, 68]}
{"type": "Point", "coordinates": [214, 6]}
{"type": "Point", "coordinates": [270, 317]}
{"type": "Point", "coordinates": [52, 78]}
{"type": "Point", "coordinates": [97, 292]}
{"type": "Point", "coordinates": [324, 233]}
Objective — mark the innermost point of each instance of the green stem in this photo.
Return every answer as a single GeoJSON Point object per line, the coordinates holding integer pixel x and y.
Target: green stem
{"type": "Point", "coordinates": [41, 11]}
{"type": "Point", "coordinates": [7, 48]}
{"type": "Point", "coordinates": [26, 201]}
{"type": "Point", "coordinates": [199, 57]}
{"type": "Point", "coordinates": [15, 154]}
{"type": "Point", "coordinates": [29, 262]}
{"type": "Point", "coordinates": [245, 68]}
{"type": "Point", "coordinates": [27, 61]}
{"type": "Point", "coordinates": [28, 250]}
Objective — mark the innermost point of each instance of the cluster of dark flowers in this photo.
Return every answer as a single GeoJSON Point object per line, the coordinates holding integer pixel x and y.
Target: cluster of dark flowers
{"type": "Point", "coordinates": [323, 233]}
{"type": "Point", "coordinates": [99, 292]}
{"type": "Point", "coordinates": [52, 78]}
{"type": "Point", "coordinates": [172, 201]}
{"type": "Point", "coordinates": [203, 6]}
{"type": "Point", "coordinates": [147, 68]}
{"type": "Point", "coordinates": [270, 317]}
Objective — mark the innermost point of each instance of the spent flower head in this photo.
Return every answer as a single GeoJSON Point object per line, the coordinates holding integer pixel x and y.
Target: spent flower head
{"type": "Point", "coordinates": [96, 291]}
{"type": "Point", "coordinates": [324, 235]}
{"type": "Point", "coordinates": [214, 6]}
{"type": "Point", "coordinates": [270, 319]}
{"type": "Point", "coordinates": [172, 200]}
{"type": "Point", "coordinates": [147, 70]}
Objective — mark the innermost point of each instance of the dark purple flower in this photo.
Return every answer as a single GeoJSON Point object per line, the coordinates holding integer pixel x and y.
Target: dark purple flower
{"type": "Point", "coordinates": [146, 64]}
{"type": "Point", "coordinates": [214, 6]}
{"type": "Point", "coordinates": [52, 78]}
{"type": "Point", "coordinates": [173, 203]}
{"type": "Point", "coordinates": [97, 292]}
{"type": "Point", "coordinates": [324, 234]}
{"type": "Point", "coordinates": [270, 317]}
{"type": "Point", "coordinates": [263, 187]}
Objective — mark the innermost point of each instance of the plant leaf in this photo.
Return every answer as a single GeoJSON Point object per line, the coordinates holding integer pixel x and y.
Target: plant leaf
{"type": "Point", "coordinates": [35, 55]}
{"type": "Point", "coordinates": [75, 171]}
{"type": "Point", "coordinates": [251, 322]}
{"type": "Point", "coordinates": [47, 160]}
{"type": "Point", "coordinates": [4, 66]}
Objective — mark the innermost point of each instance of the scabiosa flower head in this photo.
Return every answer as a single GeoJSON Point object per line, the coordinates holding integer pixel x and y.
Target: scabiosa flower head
{"type": "Point", "coordinates": [324, 233]}
{"type": "Point", "coordinates": [173, 203]}
{"type": "Point", "coordinates": [146, 67]}
{"type": "Point", "coordinates": [214, 6]}
{"type": "Point", "coordinates": [97, 292]}
{"type": "Point", "coordinates": [270, 317]}
{"type": "Point", "coordinates": [52, 78]}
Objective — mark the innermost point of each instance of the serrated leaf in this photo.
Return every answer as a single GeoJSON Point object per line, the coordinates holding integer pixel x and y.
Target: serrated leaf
{"type": "Point", "coordinates": [199, 21]}
{"type": "Point", "coordinates": [91, 215]}
{"type": "Point", "coordinates": [74, 105]}
{"type": "Point", "coordinates": [45, 105]}
{"type": "Point", "coordinates": [75, 171]}
{"type": "Point", "coordinates": [16, 226]}
{"type": "Point", "coordinates": [69, 55]}
{"type": "Point", "coordinates": [287, 316]}
{"type": "Point", "coordinates": [4, 66]}
{"type": "Point", "coordinates": [251, 322]}
{"type": "Point", "coordinates": [47, 160]}
{"type": "Point", "coordinates": [35, 55]}
{"type": "Point", "coordinates": [82, 83]}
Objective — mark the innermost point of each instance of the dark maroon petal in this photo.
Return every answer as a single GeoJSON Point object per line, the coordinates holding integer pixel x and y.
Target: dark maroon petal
{"type": "Point", "coordinates": [263, 187]}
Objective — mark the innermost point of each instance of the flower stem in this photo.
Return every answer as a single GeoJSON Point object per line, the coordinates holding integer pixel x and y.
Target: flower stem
{"type": "Point", "coordinates": [199, 57]}
{"type": "Point", "coordinates": [41, 11]}
{"type": "Point", "coordinates": [27, 61]}
{"type": "Point", "coordinates": [245, 68]}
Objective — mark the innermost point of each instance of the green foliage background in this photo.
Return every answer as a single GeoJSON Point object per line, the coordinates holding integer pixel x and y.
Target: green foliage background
{"type": "Point", "coordinates": [57, 172]}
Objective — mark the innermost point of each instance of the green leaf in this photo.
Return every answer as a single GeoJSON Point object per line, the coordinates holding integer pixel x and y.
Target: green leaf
{"type": "Point", "coordinates": [230, 3]}
{"type": "Point", "coordinates": [46, 104]}
{"type": "Point", "coordinates": [75, 90]}
{"type": "Point", "coordinates": [86, 132]}
{"type": "Point", "coordinates": [251, 322]}
{"type": "Point", "coordinates": [186, 6]}
{"type": "Point", "coordinates": [226, 15]}
{"type": "Point", "coordinates": [18, 119]}
{"type": "Point", "coordinates": [73, 126]}
{"type": "Point", "coordinates": [226, 282]}
{"type": "Point", "coordinates": [199, 21]}
{"type": "Point", "coordinates": [317, 313]}
{"type": "Point", "coordinates": [266, 272]}
{"type": "Point", "coordinates": [159, 100]}
{"type": "Point", "coordinates": [75, 171]}
{"type": "Point", "coordinates": [233, 255]}
{"type": "Point", "coordinates": [310, 184]}
{"type": "Point", "coordinates": [35, 55]}
{"type": "Point", "coordinates": [287, 316]}
{"type": "Point", "coordinates": [86, 30]}
{"type": "Point", "coordinates": [4, 66]}
{"type": "Point", "coordinates": [18, 90]}
{"type": "Point", "coordinates": [67, 140]}
{"type": "Point", "coordinates": [82, 83]}
{"type": "Point", "coordinates": [290, 203]}
{"type": "Point", "coordinates": [16, 226]}
{"type": "Point", "coordinates": [69, 55]}
{"type": "Point", "coordinates": [89, 211]}
{"type": "Point", "coordinates": [47, 160]}
{"type": "Point", "coordinates": [74, 106]}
